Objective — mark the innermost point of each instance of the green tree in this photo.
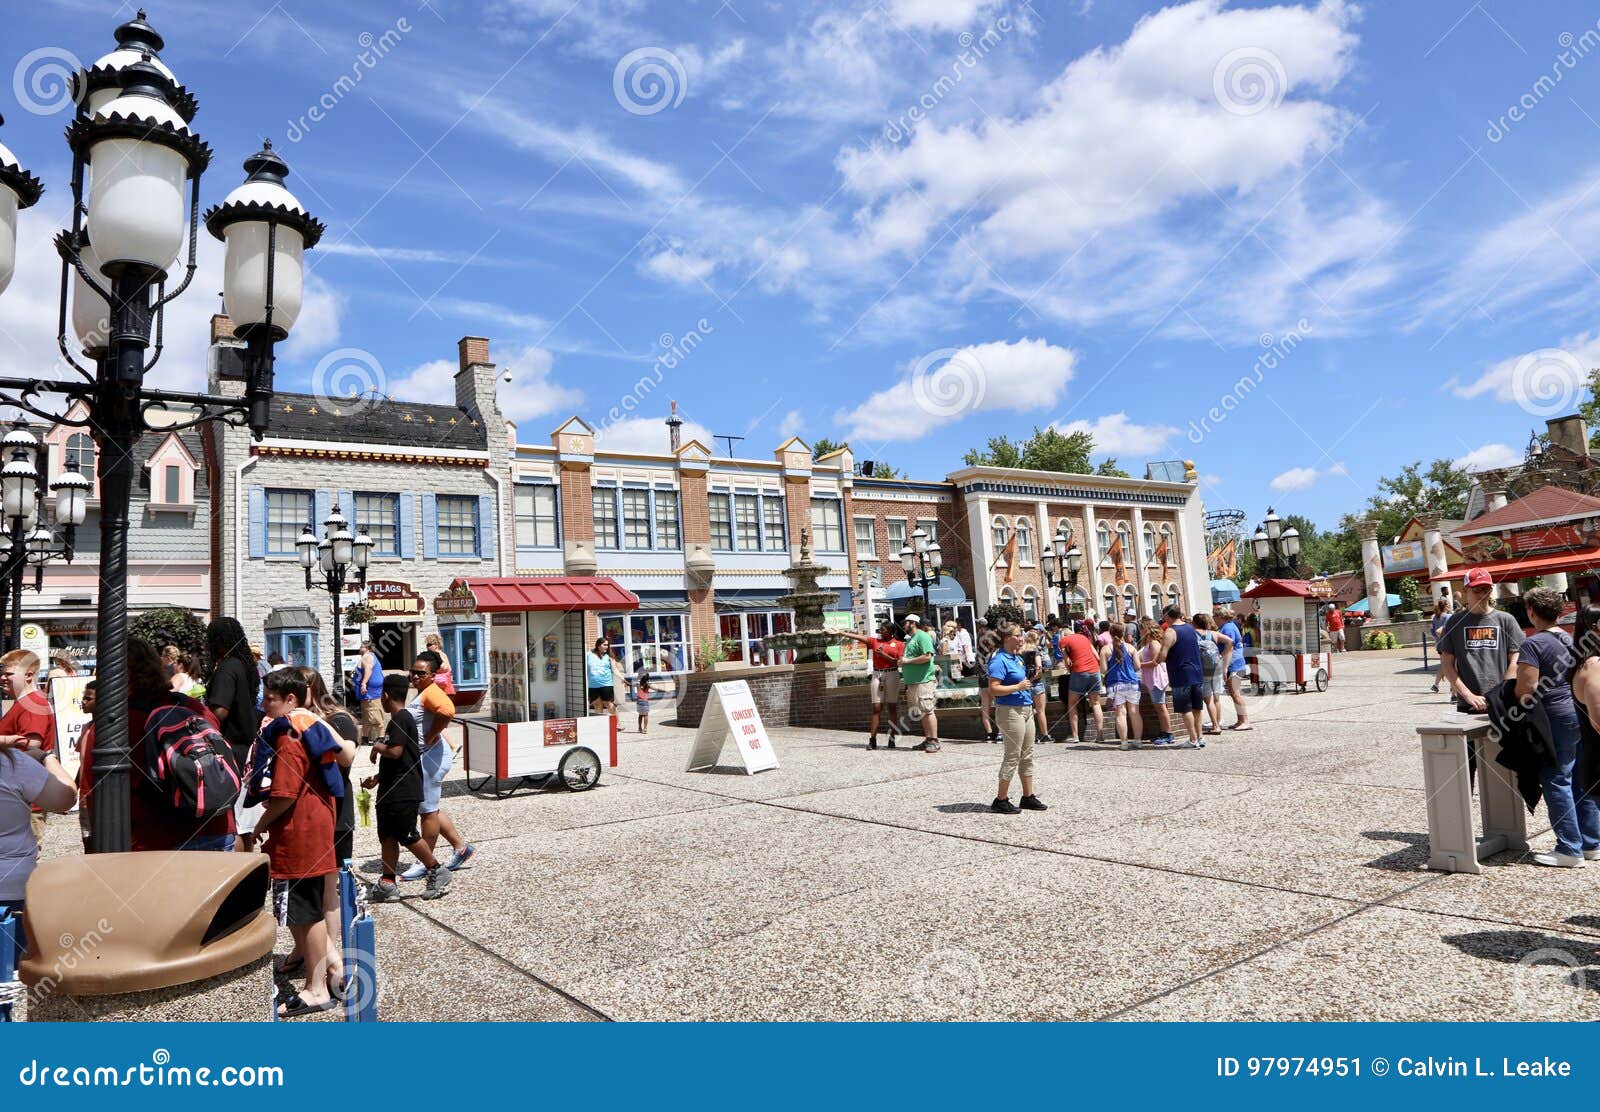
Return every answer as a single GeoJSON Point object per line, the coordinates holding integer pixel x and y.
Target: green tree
{"type": "Point", "coordinates": [1109, 468]}
{"type": "Point", "coordinates": [1441, 487]}
{"type": "Point", "coordinates": [170, 625]}
{"type": "Point", "coordinates": [1001, 451]}
{"type": "Point", "coordinates": [881, 469]}
{"type": "Point", "coordinates": [1590, 409]}
{"type": "Point", "coordinates": [824, 447]}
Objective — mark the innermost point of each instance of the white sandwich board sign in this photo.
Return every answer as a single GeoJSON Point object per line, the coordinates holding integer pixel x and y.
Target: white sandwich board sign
{"type": "Point", "coordinates": [731, 712]}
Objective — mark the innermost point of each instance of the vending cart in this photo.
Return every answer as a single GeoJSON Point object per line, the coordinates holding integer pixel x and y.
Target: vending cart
{"type": "Point", "coordinates": [1290, 650]}
{"type": "Point", "coordinates": [538, 727]}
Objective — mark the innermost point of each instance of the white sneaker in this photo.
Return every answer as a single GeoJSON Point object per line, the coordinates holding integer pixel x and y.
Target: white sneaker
{"type": "Point", "coordinates": [1591, 855]}
{"type": "Point", "coordinates": [1127, 743]}
{"type": "Point", "coordinates": [1559, 860]}
{"type": "Point", "coordinates": [416, 872]}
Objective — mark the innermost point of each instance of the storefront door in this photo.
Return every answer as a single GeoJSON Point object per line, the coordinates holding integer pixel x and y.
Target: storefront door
{"type": "Point", "coordinates": [395, 643]}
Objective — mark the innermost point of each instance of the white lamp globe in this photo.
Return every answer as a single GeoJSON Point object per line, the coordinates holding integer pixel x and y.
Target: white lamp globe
{"type": "Point", "coordinates": [18, 190]}
{"type": "Point", "coordinates": [91, 316]}
{"type": "Point", "coordinates": [103, 80]}
{"type": "Point", "coordinates": [142, 154]}
{"type": "Point", "coordinates": [259, 218]}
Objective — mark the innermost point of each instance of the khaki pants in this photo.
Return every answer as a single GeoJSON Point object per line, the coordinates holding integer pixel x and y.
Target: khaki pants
{"type": "Point", "coordinates": [1017, 727]}
{"type": "Point", "coordinates": [36, 824]}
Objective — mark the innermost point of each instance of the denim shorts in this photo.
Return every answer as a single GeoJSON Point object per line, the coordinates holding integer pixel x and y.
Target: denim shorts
{"type": "Point", "coordinates": [1158, 696]}
{"type": "Point", "coordinates": [1188, 698]}
{"type": "Point", "coordinates": [436, 761]}
{"type": "Point", "coordinates": [1084, 683]}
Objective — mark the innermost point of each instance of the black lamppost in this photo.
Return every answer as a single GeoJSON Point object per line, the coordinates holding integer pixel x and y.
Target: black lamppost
{"type": "Point", "coordinates": [28, 541]}
{"type": "Point", "coordinates": [920, 560]}
{"type": "Point", "coordinates": [134, 157]}
{"type": "Point", "coordinates": [1276, 548]}
{"type": "Point", "coordinates": [1068, 557]}
{"type": "Point", "coordinates": [335, 556]}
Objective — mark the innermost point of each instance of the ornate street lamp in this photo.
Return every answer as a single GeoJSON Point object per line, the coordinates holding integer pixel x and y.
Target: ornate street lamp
{"type": "Point", "coordinates": [22, 481]}
{"type": "Point", "coordinates": [1276, 548]}
{"type": "Point", "coordinates": [921, 560]}
{"type": "Point", "coordinates": [335, 556]}
{"type": "Point", "coordinates": [1062, 562]}
{"type": "Point", "coordinates": [136, 172]}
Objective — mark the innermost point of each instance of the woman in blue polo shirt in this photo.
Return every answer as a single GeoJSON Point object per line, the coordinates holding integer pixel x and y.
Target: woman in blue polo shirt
{"type": "Point", "coordinates": [1012, 688]}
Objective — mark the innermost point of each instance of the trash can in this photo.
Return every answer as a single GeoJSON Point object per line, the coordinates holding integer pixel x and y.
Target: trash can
{"type": "Point", "coordinates": [174, 935]}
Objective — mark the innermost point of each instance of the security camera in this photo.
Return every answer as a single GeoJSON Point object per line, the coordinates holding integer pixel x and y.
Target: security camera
{"type": "Point", "coordinates": [506, 377]}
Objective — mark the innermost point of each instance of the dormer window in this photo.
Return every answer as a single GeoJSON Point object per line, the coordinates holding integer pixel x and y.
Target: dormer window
{"type": "Point", "coordinates": [171, 476]}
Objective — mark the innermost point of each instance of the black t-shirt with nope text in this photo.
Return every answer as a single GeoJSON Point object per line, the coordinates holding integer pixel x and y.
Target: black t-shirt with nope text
{"type": "Point", "coordinates": [400, 778]}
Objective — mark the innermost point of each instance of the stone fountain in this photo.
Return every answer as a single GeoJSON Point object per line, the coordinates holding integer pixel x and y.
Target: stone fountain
{"type": "Point", "coordinates": [810, 641]}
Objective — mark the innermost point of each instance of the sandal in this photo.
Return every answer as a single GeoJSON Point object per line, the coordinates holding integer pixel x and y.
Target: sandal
{"type": "Point", "coordinates": [1241, 729]}
{"type": "Point", "coordinates": [295, 1007]}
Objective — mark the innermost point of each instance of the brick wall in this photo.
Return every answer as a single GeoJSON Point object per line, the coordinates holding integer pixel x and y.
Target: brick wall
{"type": "Point", "coordinates": [952, 533]}
{"type": "Point", "coordinates": [577, 508]}
{"type": "Point", "coordinates": [694, 507]}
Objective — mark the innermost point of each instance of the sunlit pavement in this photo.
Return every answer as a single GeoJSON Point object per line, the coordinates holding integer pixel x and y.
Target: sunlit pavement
{"type": "Point", "coordinates": [1275, 874]}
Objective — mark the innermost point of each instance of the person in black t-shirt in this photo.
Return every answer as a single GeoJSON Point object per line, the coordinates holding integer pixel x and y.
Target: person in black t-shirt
{"type": "Point", "coordinates": [231, 688]}
{"type": "Point", "coordinates": [399, 784]}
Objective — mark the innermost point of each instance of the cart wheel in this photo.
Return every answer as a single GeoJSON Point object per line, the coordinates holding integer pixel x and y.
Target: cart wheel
{"type": "Point", "coordinates": [1322, 679]}
{"type": "Point", "coordinates": [579, 770]}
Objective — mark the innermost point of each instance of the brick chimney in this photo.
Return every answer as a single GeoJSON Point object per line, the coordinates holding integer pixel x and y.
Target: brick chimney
{"type": "Point", "coordinates": [675, 429]}
{"type": "Point", "coordinates": [221, 329]}
{"type": "Point", "coordinates": [1570, 433]}
{"type": "Point", "coordinates": [475, 381]}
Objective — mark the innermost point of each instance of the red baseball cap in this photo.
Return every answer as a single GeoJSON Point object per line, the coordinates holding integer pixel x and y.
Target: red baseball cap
{"type": "Point", "coordinates": [1478, 577]}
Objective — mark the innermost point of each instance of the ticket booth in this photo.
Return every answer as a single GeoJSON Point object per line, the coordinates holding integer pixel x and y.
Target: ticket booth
{"type": "Point", "coordinates": [537, 640]}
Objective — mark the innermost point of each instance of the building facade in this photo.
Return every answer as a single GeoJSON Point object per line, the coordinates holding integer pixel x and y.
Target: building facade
{"type": "Point", "coordinates": [427, 482]}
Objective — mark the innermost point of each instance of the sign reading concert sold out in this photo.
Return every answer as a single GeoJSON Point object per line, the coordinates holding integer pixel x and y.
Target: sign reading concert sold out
{"type": "Point", "coordinates": [731, 712]}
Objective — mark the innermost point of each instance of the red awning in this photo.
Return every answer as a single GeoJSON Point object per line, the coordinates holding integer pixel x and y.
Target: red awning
{"type": "Point", "coordinates": [1502, 571]}
{"type": "Point", "coordinates": [1280, 588]}
{"type": "Point", "coordinates": [548, 592]}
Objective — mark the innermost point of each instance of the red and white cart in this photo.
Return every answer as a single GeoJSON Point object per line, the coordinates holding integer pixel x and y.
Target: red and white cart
{"type": "Point", "coordinates": [538, 729]}
{"type": "Point", "coordinates": [1291, 649]}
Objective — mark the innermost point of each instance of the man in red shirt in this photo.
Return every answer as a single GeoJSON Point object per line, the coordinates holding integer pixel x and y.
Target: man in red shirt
{"type": "Point", "coordinates": [30, 723]}
{"type": "Point", "coordinates": [1335, 629]}
{"type": "Point", "coordinates": [298, 821]}
{"type": "Point", "coordinates": [886, 650]}
{"type": "Point", "coordinates": [1084, 662]}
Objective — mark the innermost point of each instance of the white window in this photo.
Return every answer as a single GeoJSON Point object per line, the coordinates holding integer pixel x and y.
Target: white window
{"type": "Point", "coordinates": [79, 454]}
{"type": "Point", "coordinates": [1102, 533]}
{"type": "Point", "coordinates": [747, 522]}
{"type": "Point", "coordinates": [458, 525]}
{"type": "Point", "coordinates": [172, 490]}
{"type": "Point", "coordinates": [1008, 596]}
{"type": "Point", "coordinates": [1125, 535]}
{"type": "Point", "coordinates": [378, 516]}
{"type": "Point", "coordinates": [1030, 604]}
{"type": "Point", "coordinates": [1111, 600]}
{"type": "Point", "coordinates": [1174, 596]}
{"type": "Point", "coordinates": [866, 540]}
{"type": "Point", "coordinates": [635, 518]}
{"type": "Point", "coordinates": [1130, 599]}
{"type": "Point", "coordinates": [897, 536]}
{"type": "Point", "coordinates": [1171, 555]}
{"type": "Point", "coordinates": [1064, 525]}
{"type": "Point", "coordinates": [721, 523]}
{"type": "Point", "coordinates": [1150, 546]}
{"type": "Point", "coordinates": [929, 526]}
{"type": "Point", "coordinates": [776, 522]}
{"type": "Point", "coordinates": [1024, 542]}
{"type": "Point", "coordinates": [288, 512]}
{"type": "Point", "coordinates": [667, 533]}
{"type": "Point", "coordinates": [604, 502]}
{"type": "Point", "coordinates": [1002, 533]}
{"type": "Point", "coordinates": [1155, 602]}
{"type": "Point", "coordinates": [658, 642]}
{"type": "Point", "coordinates": [827, 525]}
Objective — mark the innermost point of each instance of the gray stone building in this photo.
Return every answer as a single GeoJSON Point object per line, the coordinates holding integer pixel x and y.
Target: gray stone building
{"type": "Point", "coordinates": [427, 482]}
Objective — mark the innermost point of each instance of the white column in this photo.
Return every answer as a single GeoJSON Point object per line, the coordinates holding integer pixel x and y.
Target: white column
{"type": "Point", "coordinates": [1433, 547]}
{"type": "Point", "coordinates": [1046, 532]}
{"type": "Point", "coordinates": [1372, 570]}
{"type": "Point", "coordinates": [1141, 572]}
{"type": "Point", "coordinates": [980, 543]}
{"type": "Point", "coordinates": [1089, 579]}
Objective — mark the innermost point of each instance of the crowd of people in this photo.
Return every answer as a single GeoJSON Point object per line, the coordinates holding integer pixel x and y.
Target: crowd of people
{"type": "Point", "coordinates": [232, 753]}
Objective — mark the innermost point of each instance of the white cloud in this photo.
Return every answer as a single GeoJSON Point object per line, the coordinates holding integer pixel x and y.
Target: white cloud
{"type": "Point", "coordinates": [1548, 382]}
{"type": "Point", "coordinates": [1488, 457]}
{"type": "Point", "coordinates": [1303, 478]}
{"type": "Point", "coordinates": [679, 267]}
{"type": "Point", "coordinates": [939, 15]}
{"type": "Point", "coordinates": [1115, 435]}
{"type": "Point", "coordinates": [647, 434]}
{"type": "Point", "coordinates": [530, 393]}
{"type": "Point", "coordinates": [1019, 376]}
{"type": "Point", "coordinates": [793, 424]}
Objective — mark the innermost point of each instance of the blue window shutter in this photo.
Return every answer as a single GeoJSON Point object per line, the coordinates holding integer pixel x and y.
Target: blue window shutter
{"type": "Point", "coordinates": [430, 527]}
{"type": "Point", "coordinates": [408, 527]}
{"type": "Point", "coordinates": [321, 507]}
{"type": "Point", "coordinates": [258, 522]}
{"type": "Point", "coordinates": [486, 531]}
{"type": "Point", "coordinates": [347, 506]}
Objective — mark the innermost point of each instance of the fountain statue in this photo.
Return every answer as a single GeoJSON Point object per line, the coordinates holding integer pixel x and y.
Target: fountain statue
{"type": "Point", "coordinates": [810, 641]}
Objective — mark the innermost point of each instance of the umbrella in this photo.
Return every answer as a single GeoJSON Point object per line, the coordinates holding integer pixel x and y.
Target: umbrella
{"type": "Point", "coordinates": [1224, 590]}
{"type": "Point", "coordinates": [1361, 606]}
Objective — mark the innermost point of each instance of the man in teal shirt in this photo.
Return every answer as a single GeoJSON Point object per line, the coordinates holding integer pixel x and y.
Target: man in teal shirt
{"type": "Point", "coordinates": [917, 675]}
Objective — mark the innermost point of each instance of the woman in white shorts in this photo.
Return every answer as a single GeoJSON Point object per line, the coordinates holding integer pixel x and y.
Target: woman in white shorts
{"type": "Point", "coordinates": [1122, 686]}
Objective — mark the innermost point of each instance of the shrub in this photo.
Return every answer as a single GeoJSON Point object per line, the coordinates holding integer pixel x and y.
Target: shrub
{"type": "Point", "coordinates": [1409, 593]}
{"type": "Point", "coordinates": [1379, 639]}
{"type": "Point", "coordinates": [1003, 612]}
{"type": "Point", "coordinates": [709, 650]}
{"type": "Point", "coordinates": [171, 625]}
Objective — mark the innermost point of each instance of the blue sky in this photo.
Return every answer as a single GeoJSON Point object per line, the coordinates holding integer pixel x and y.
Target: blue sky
{"type": "Point", "coordinates": [913, 224]}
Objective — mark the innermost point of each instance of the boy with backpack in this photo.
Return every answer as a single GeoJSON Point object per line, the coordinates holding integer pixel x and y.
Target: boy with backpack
{"type": "Point", "coordinates": [297, 771]}
{"type": "Point", "coordinates": [399, 784]}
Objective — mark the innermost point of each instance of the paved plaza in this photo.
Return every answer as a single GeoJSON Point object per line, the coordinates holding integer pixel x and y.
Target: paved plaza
{"type": "Point", "coordinates": [1274, 875]}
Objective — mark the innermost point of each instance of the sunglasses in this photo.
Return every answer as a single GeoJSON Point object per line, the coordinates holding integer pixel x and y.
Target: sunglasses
{"type": "Point", "coordinates": [421, 672]}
